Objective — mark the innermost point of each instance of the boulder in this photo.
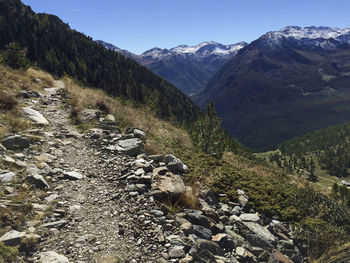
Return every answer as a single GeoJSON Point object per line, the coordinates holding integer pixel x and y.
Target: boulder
{"type": "Point", "coordinates": [38, 181]}
{"type": "Point", "coordinates": [181, 167]}
{"type": "Point", "coordinates": [167, 186]}
{"type": "Point", "coordinates": [52, 257]}
{"type": "Point", "coordinates": [16, 142]}
{"type": "Point", "coordinates": [12, 238]}
{"type": "Point", "coordinates": [7, 177]}
{"type": "Point", "coordinates": [35, 116]}
{"type": "Point", "coordinates": [129, 146]}
{"type": "Point", "coordinates": [261, 237]}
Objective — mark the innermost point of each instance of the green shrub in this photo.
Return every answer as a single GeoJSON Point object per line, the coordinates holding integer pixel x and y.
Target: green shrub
{"type": "Point", "coordinates": [8, 254]}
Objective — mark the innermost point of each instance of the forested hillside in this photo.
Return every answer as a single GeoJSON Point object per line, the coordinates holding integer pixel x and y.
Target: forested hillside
{"type": "Point", "coordinates": [329, 147]}
{"type": "Point", "coordinates": [272, 91]}
{"type": "Point", "coordinates": [53, 46]}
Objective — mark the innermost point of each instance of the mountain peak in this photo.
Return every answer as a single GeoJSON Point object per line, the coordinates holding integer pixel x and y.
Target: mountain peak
{"type": "Point", "coordinates": [312, 36]}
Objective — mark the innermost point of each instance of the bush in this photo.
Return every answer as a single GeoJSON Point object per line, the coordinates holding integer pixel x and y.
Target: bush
{"type": "Point", "coordinates": [15, 56]}
{"type": "Point", "coordinates": [8, 102]}
{"type": "Point", "coordinates": [8, 254]}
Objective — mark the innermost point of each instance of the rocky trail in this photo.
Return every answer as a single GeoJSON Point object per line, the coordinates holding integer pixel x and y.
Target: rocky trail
{"type": "Point", "coordinates": [102, 198]}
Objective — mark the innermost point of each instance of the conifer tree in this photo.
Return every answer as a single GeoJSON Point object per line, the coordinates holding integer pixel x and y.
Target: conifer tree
{"type": "Point", "coordinates": [208, 134]}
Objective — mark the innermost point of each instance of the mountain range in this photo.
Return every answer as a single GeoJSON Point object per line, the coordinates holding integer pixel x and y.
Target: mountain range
{"type": "Point", "coordinates": [284, 84]}
{"type": "Point", "coordinates": [187, 67]}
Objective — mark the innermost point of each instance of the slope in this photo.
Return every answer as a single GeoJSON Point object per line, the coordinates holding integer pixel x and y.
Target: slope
{"type": "Point", "coordinates": [279, 87]}
{"type": "Point", "coordinates": [52, 45]}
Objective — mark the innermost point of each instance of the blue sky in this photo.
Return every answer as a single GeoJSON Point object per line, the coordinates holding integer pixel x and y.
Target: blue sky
{"type": "Point", "coordinates": [138, 25]}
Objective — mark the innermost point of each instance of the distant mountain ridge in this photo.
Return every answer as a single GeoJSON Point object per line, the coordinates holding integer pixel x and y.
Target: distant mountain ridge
{"type": "Point", "coordinates": [284, 84]}
{"type": "Point", "coordinates": [187, 67]}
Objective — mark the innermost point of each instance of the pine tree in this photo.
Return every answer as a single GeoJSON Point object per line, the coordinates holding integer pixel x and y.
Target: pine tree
{"type": "Point", "coordinates": [208, 134]}
{"type": "Point", "coordinates": [15, 56]}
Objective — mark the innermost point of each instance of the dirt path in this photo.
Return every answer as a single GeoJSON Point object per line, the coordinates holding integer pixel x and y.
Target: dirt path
{"type": "Point", "coordinates": [103, 222]}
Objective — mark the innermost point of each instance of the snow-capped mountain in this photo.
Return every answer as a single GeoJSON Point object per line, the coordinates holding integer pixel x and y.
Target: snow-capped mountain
{"type": "Point", "coordinates": [324, 37]}
{"type": "Point", "coordinates": [200, 51]}
{"type": "Point", "coordinates": [187, 67]}
{"type": "Point", "coordinates": [281, 80]}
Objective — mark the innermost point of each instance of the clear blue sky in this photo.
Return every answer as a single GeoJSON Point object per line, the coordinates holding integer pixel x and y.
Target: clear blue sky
{"type": "Point", "coordinates": [138, 25]}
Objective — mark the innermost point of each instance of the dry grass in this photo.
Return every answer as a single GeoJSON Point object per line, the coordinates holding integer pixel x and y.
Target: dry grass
{"type": "Point", "coordinates": [248, 165]}
{"type": "Point", "coordinates": [11, 82]}
{"type": "Point", "coordinates": [161, 134]}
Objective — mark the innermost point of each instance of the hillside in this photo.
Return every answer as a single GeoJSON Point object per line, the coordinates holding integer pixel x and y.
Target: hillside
{"type": "Point", "coordinates": [53, 46]}
{"type": "Point", "coordinates": [186, 67]}
{"type": "Point", "coordinates": [284, 84]}
{"type": "Point", "coordinates": [328, 147]}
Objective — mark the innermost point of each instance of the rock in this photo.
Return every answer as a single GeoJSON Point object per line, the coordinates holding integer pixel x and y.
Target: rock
{"type": "Point", "coordinates": [242, 198]}
{"type": "Point", "coordinates": [252, 217]}
{"type": "Point", "coordinates": [9, 190]}
{"type": "Point", "coordinates": [182, 168]}
{"type": "Point", "coordinates": [55, 224]}
{"type": "Point", "coordinates": [95, 133]}
{"type": "Point", "coordinates": [129, 146]}
{"type": "Point", "coordinates": [89, 115]}
{"type": "Point", "coordinates": [52, 257]}
{"type": "Point", "coordinates": [2, 148]}
{"type": "Point", "coordinates": [210, 246]}
{"type": "Point", "coordinates": [209, 197]}
{"type": "Point", "coordinates": [40, 207]}
{"type": "Point", "coordinates": [168, 186]}
{"type": "Point", "coordinates": [261, 237]}
{"type": "Point", "coordinates": [157, 213]}
{"type": "Point", "coordinates": [237, 210]}
{"type": "Point", "coordinates": [278, 257]}
{"type": "Point", "coordinates": [160, 171]}
{"type": "Point", "coordinates": [73, 175]}
{"type": "Point", "coordinates": [28, 94]}
{"type": "Point", "coordinates": [110, 117]}
{"type": "Point", "coordinates": [7, 177]}
{"type": "Point", "coordinates": [224, 241]}
{"type": "Point", "coordinates": [176, 252]}
{"type": "Point", "coordinates": [241, 252]}
{"type": "Point", "coordinates": [35, 116]}
{"type": "Point", "coordinates": [16, 142]}
{"type": "Point", "coordinates": [138, 133]}
{"type": "Point", "coordinates": [202, 232]}
{"type": "Point", "coordinates": [12, 238]}
{"type": "Point", "coordinates": [38, 181]}
{"type": "Point", "coordinates": [187, 259]}
{"type": "Point", "coordinates": [196, 218]}
{"type": "Point", "coordinates": [156, 158]}
{"type": "Point", "coordinates": [186, 228]}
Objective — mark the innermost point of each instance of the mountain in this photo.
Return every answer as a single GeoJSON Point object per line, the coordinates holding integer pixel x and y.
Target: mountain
{"type": "Point", "coordinates": [186, 67]}
{"type": "Point", "coordinates": [55, 47]}
{"type": "Point", "coordinates": [284, 84]}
